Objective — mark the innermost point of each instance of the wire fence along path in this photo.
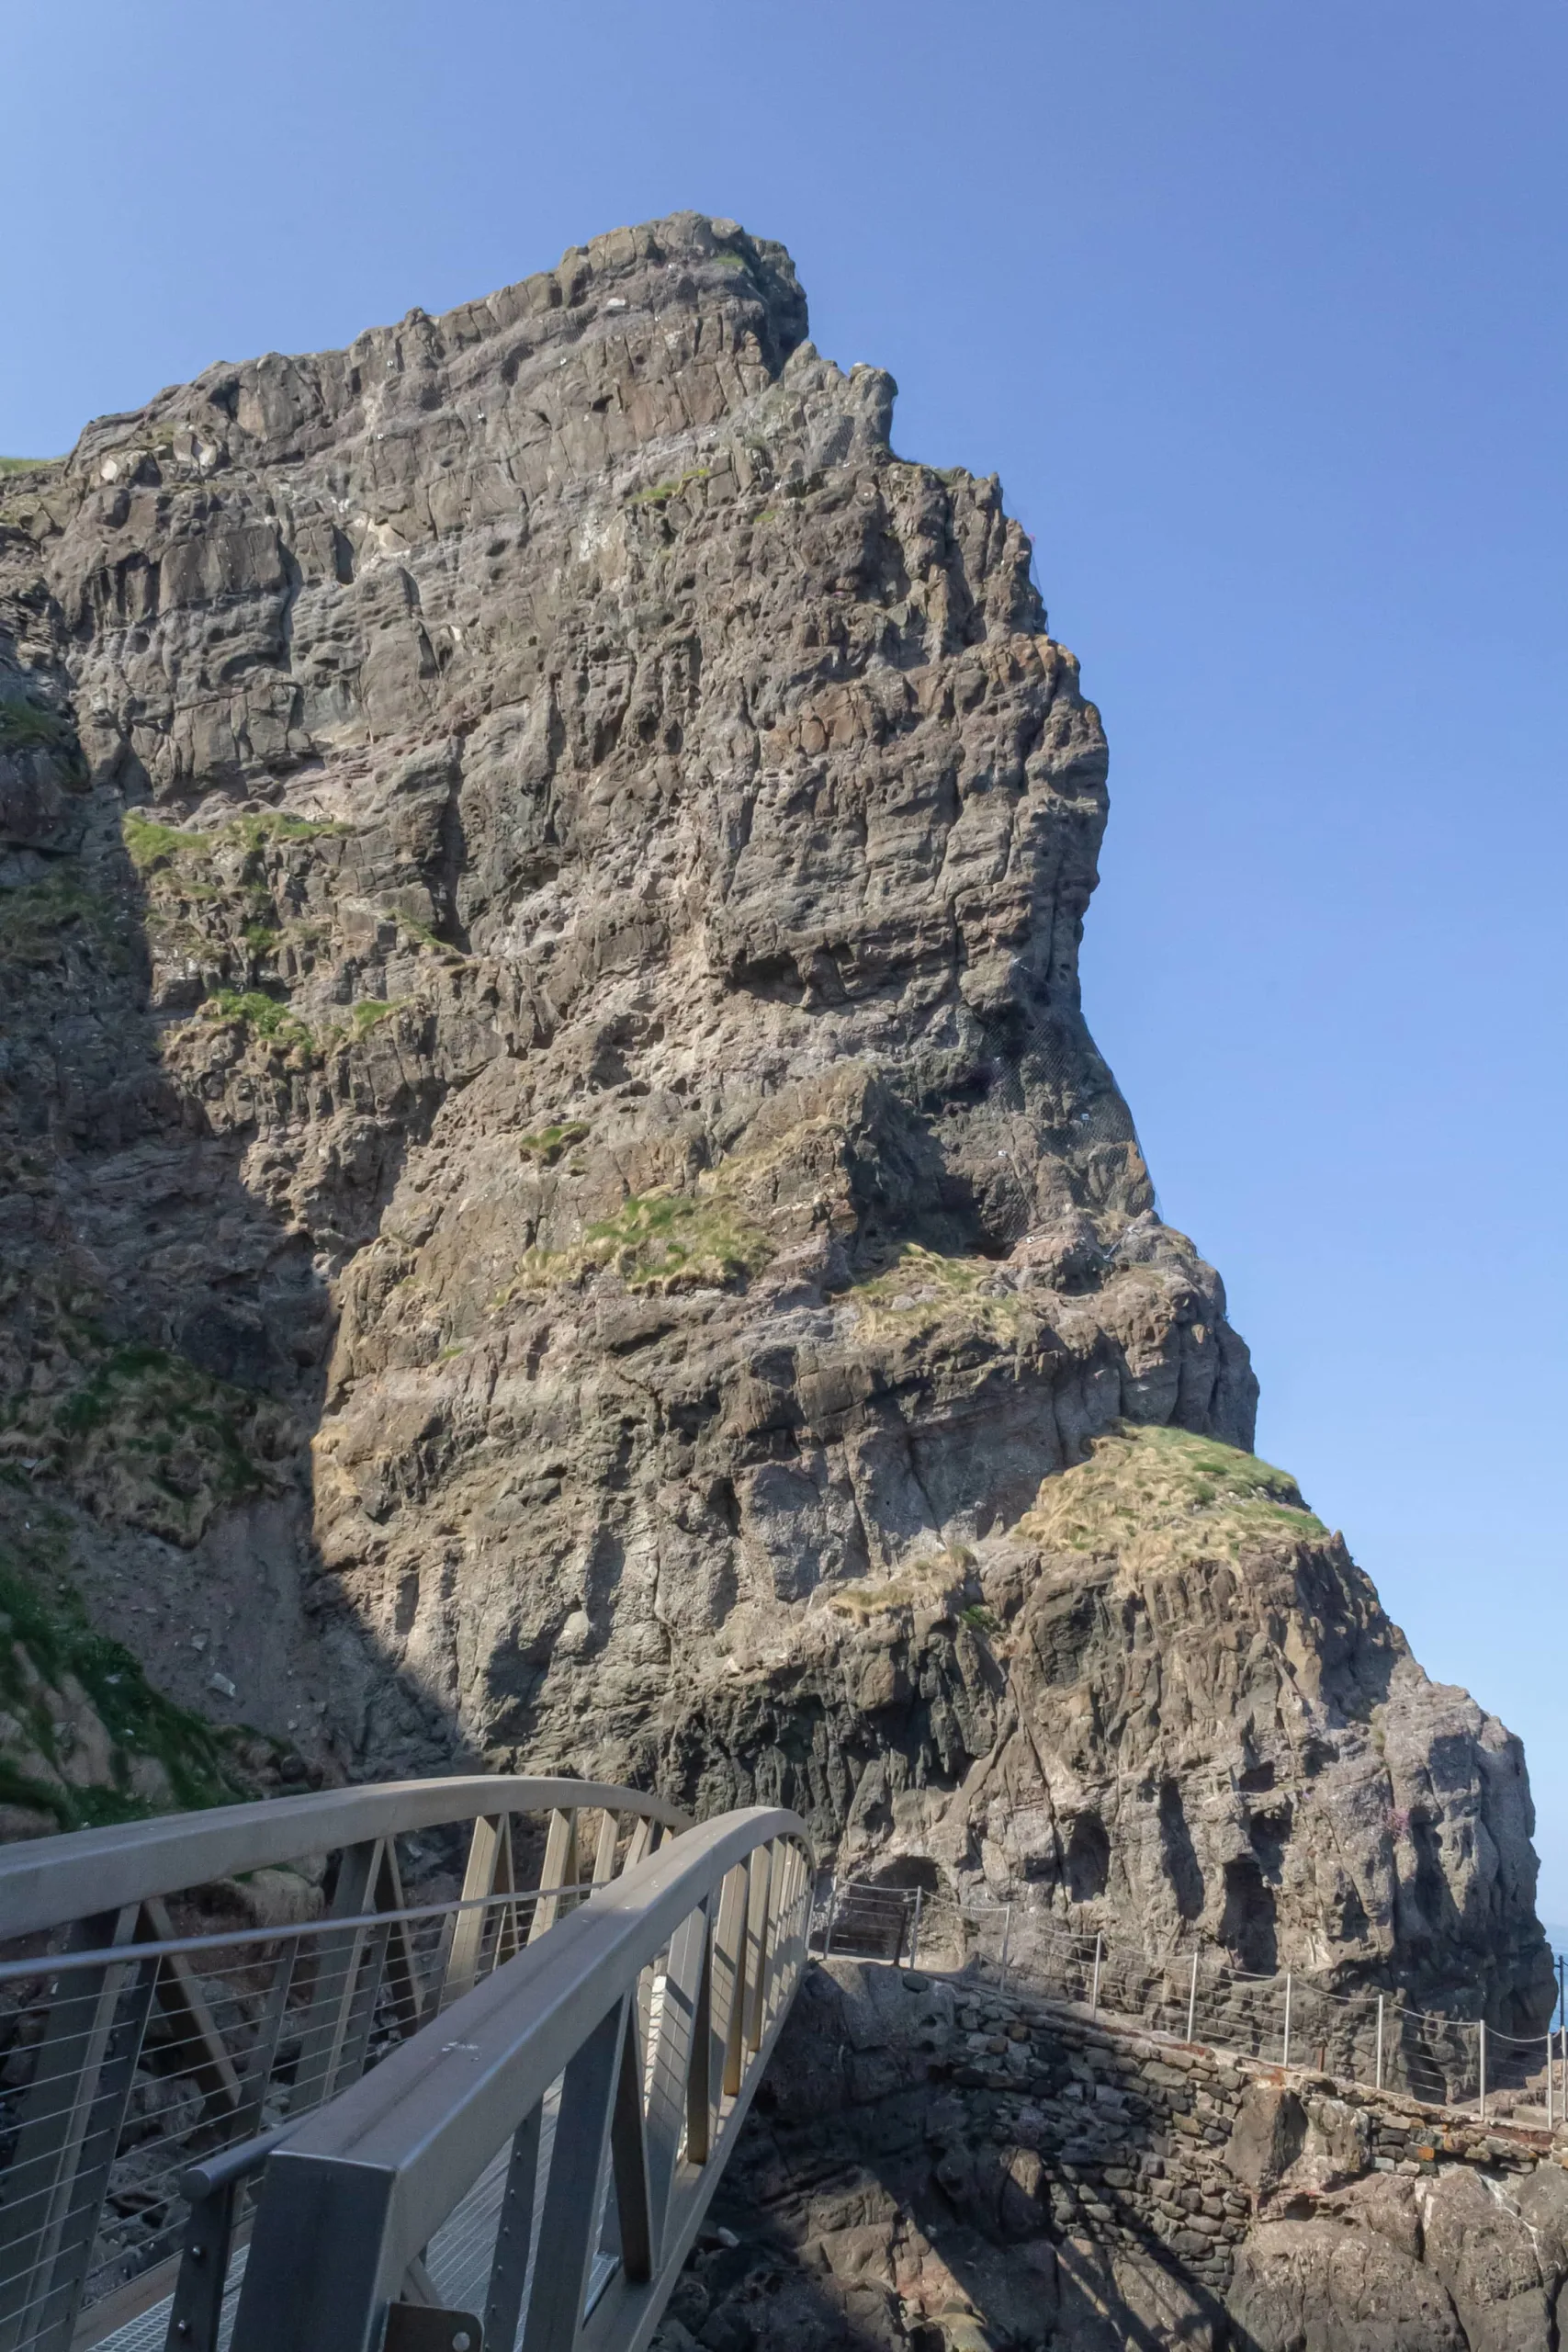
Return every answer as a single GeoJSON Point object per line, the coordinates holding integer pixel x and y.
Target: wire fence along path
{"type": "Point", "coordinates": [1288, 2018]}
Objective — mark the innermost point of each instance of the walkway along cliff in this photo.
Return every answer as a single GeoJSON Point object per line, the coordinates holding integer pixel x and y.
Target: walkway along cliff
{"type": "Point", "coordinates": [560, 1208]}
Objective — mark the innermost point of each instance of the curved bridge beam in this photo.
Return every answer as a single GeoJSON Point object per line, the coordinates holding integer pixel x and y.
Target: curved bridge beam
{"type": "Point", "coordinates": [225, 2033]}
{"type": "Point", "coordinates": [631, 2038]}
{"type": "Point", "coordinates": [50, 1881]}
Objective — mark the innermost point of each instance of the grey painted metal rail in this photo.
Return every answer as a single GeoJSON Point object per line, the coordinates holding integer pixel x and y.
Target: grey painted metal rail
{"type": "Point", "coordinates": [642, 2022]}
{"type": "Point", "coordinates": [48, 1880]}
{"type": "Point", "coordinates": [148, 2019]}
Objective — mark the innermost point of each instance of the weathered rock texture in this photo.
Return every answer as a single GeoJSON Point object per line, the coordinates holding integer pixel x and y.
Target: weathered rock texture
{"type": "Point", "coordinates": [545, 871]}
{"type": "Point", "coordinates": [936, 2167]}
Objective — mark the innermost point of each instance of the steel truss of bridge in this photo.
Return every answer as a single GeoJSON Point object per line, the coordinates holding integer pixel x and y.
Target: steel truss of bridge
{"type": "Point", "coordinates": [440, 2067]}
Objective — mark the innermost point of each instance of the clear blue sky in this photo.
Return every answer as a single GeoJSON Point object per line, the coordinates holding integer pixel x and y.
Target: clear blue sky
{"type": "Point", "coordinates": [1259, 310]}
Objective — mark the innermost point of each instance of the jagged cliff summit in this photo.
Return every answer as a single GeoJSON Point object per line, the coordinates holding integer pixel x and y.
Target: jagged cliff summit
{"type": "Point", "coordinates": [559, 1200]}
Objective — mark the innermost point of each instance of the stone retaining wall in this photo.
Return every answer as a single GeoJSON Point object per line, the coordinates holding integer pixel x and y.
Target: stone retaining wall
{"type": "Point", "coordinates": [938, 2166]}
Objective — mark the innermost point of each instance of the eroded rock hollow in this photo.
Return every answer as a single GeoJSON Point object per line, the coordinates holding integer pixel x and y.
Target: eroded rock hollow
{"type": "Point", "coordinates": [560, 1203]}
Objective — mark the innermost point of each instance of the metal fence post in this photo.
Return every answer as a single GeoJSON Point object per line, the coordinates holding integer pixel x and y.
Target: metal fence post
{"type": "Point", "coordinates": [1378, 2076]}
{"type": "Point", "coordinates": [915, 1926]}
{"type": "Point", "coordinates": [1007, 1933]}
{"type": "Point", "coordinates": [1193, 1999]}
{"type": "Point", "coordinates": [1094, 1993]}
{"type": "Point", "coordinates": [1549, 2081]}
{"type": "Point", "coordinates": [569, 2222]}
{"type": "Point", "coordinates": [71, 2122]}
{"type": "Point", "coordinates": [1483, 2070]}
{"type": "Point", "coordinates": [1285, 2053]}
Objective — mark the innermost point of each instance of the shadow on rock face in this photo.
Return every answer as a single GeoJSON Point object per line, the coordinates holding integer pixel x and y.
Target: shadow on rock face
{"type": "Point", "coordinates": [565, 1210]}
{"type": "Point", "coordinates": [930, 2165]}
{"type": "Point", "coordinates": [168, 1316]}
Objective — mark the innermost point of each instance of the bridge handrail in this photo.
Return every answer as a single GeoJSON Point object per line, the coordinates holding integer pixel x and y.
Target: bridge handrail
{"type": "Point", "coordinates": [49, 1882]}
{"type": "Point", "coordinates": [350, 2200]}
{"type": "Point", "coordinates": [338, 1988]}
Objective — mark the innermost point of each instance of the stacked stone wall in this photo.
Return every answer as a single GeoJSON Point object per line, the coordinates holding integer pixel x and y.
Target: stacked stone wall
{"type": "Point", "coordinates": [937, 2165]}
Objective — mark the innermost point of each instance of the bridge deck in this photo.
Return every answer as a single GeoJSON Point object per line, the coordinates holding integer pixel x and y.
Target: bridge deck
{"type": "Point", "coordinates": [459, 2260]}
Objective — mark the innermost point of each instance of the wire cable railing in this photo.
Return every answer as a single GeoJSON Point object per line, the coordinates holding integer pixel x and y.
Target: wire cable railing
{"type": "Point", "coordinates": [1287, 2017]}
{"type": "Point", "coordinates": [595, 2083]}
{"type": "Point", "coordinates": [138, 2041]}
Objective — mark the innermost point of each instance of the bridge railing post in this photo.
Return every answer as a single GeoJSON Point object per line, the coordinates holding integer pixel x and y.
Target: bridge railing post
{"type": "Point", "coordinates": [328, 1989]}
{"type": "Point", "coordinates": [356, 2196]}
{"type": "Point", "coordinates": [604, 1852]}
{"type": "Point", "coordinates": [729, 1985]}
{"type": "Point", "coordinates": [560, 1870]}
{"type": "Point", "coordinates": [757, 1917]}
{"type": "Point", "coordinates": [514, 2234]}
{"type": "Point", "coordinates": [673, 2066]}
{"type": "Point", "coordinates": [70, 2132]}
{"type": "Point", "coordinates": [489, 1872]}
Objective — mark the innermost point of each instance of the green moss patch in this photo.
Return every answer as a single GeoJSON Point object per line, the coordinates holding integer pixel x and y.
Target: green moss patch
{"type": "Point", "coordinates": [925, 1583]}
{"type": "Point", "coordinates": [32, 726]}
{"type": "Point", "coordinates": [154, 847]}
{"type": "Point", "coordinates": [547, 1145]}
{"type": "Point", "coordinates": [148, 1438]}
{"type": "Point", "coordinates": [1159, 1498]}
{"type": "Point", "coordinates": [662, 492]}
{"type": "Point", "coordinates": [272, 825]}
{"type": "Point", "coordinates": [370, 1013]}
{"type": "Point", "coordinates": [268, 1017]}
{"type": "Point", "coordinates": [151, 847]}
{"type": "Point", "coordinates": [923, 1291]}
{"type": "Point", "coordinates": [660, 1241]}
{"type": "Point", "coordinates": [46, 1646]}
{"type": "Point", "coordinates": [39, 920]}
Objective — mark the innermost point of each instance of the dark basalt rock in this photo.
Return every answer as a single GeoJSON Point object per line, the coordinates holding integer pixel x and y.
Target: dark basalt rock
{"type": "Point", "coordinates": [549, 1130]}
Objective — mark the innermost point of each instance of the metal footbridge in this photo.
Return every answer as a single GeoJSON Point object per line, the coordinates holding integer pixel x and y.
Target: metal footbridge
{"type": "Point", "coordinates": [438, 2066]}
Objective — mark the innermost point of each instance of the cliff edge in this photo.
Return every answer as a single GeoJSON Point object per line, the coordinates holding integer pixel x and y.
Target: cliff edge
{"type": "Point", "coordinates": [560, 1202]}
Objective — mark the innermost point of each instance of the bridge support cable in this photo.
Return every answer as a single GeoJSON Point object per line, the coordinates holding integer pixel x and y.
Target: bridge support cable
{"type": "Point", "coordinates": [598, 2079]}
{"type": "Point", "coordinates": [133, 2047]}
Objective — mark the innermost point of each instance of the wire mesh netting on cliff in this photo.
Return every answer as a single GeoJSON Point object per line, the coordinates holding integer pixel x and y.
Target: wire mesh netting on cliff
{"type": "Point", "coordinates": [1287, 2019]}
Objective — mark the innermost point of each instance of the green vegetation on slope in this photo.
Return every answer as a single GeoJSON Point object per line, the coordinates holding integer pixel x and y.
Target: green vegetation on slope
{"type": "Point", "coordinates": [1160, 1496]}
{"type": "Point", "coordinates": [268, 1016]}
{"type": "Point", "coordinates": [923, 1290]}
{"type": "Point", "coordinates": [548, 1143]}
{"type": "Point", "coordinates": [27, 726]}
{"type": "Point", "coordinates": [660, 1241]}
{"type": "Point", "coordinates": [153, 847]}
{"type": "Point", "coordinates": [38, 921]}
{"type": "Point", "coordinates": [157, 1755]}
{"type": "Point", "coordinates": [147, 1439]}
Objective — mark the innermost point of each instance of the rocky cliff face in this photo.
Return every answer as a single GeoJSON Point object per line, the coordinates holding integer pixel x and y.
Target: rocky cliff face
{"type": "Point", "coordinates": [559, 1199]}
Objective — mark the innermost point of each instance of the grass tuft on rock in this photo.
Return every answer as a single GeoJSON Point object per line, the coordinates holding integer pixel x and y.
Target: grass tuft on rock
{"type": "Point", "coordinates": [267, 1016]}
{"type": "Point", "coordinates": [41, 921]}
{"type": "Point", "coordinates": [1160, 1497]}
{"type": "Point", "coordinates": [147, 1439]}
{"type": "Point", "coordinates": [267, 825]}
{"type": "Point", "coordinates": [660, 1242]}
{"type": "Point", "coordinates": [548, 1143]}
{"type": "Point", "coordinates": [152, 846]}
{"type": "Point", "coordinates": [371, 1011]}
{"type": "Point", "coordinates": [922, 1292]}
{"type": "Point", "coordinates": [27, 726]}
